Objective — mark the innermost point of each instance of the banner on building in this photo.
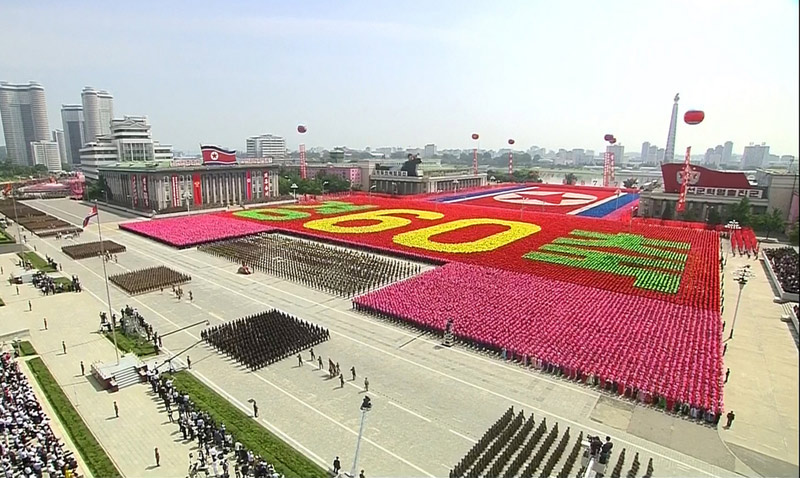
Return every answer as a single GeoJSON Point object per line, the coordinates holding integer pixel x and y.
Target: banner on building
{"type": "Point", "coordinates": [608, 168]}
{"type": "Point", "coordinates": [133, 191]}
{"type": "Point", "coordinates": [267, 188]}
{"type": "Point", "coordinates": [145, 197]}
{"type": "Point", "coordinates": [176, 197]}
{"type": "Point", "coordinates": [687, 171]}
{"type": "Point", "coordinates": [216, 155]}
{"type": "Point", "coordinates": [249, 185]}
{"type": "Point", "coordinates": [197, 189]}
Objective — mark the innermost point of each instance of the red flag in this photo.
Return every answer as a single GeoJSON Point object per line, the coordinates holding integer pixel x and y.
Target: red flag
{"type": "Point", "coordinates": [217, 155]}
{"type": "Point", "coordinates": [88, 218]}
{"type": "Point", "coordinates": [685, 183]}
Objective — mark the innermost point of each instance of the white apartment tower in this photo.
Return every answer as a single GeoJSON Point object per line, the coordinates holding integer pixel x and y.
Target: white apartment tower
{"type": "Point", "coordinates": [58, 137]}
{"type": "Point", "coordinates": [46, 153]}
{"type": "Point", "coordinates": [266, 146]}
{"type": "Point", "coordinates": [72, 122]}
{"type": "Point", "coordinates": [98, 111]}
{"type": "Point", "coordinates": [23, 112]}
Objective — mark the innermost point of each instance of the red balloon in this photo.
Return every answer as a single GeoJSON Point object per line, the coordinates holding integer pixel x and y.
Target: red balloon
{"type": "Point", "coordinates": [510, 141]}
{"type": "Point", "coordinates": [608, 137]}
{"type": "Point", "coordinates": [475, 136]}
{"type": "Point", "coordinates": [694, 117]}
{"type": "Point", "coordinates": [612, 140]}
{"type": "Point", "coordinates": [301, 129]}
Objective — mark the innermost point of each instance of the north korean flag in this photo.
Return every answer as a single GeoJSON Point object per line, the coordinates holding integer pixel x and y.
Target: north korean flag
{"type": "Point", "coordinates": [216, 155]}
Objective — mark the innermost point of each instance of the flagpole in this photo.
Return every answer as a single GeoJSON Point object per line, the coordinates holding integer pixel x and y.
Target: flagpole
{"type": "Point", "coordinates": [105, 276]}
{"type": "Point", "coordinates": [16, 219]}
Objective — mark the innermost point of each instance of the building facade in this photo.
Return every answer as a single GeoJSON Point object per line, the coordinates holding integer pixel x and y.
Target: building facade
{"type": "Point", "coordinates": [47, 154]}
{"type": "Point", "coordinates": [399, 182]}
{"type": "Point", "coordinates": [755, 156]}
{"type": "Point", "coordinates": [430, 151]}
{"type": "Point", "coordinates": [266, 146]}
{"type": "Point", "coordinates": [58, 137]}
{"type": "Point", "coordinates": [72, 121]}
{"type": "Point", "coordinates": [128, 141]}
{"type": "Point", "coordinates": [98, 111]}
{"type": "Point", "coordinates": [619, 154]}
{"type": "Point", "coordinates": [23, 112]}
{"type": "Point", "coordinates": [171, 186]}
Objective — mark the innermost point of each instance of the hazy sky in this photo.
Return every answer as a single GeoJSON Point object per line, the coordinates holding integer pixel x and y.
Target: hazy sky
{"type": "Point", "coordinates": [402, 73]}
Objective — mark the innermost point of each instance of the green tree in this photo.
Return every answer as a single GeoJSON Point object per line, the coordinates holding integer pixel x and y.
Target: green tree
{"type": "Point", "coordinates": [794, 234]}
{"type": "Point", "coordinates": [769, 223]}
{"type": "Point", "coordinates": [690, 214]}
{"type": "Point", "coordinates": [630, 183]}
{"type": "Point", "coordinates": [713, 218]}
{"type": "Point", "coordinates": [536, 158]}
{"type": "Point", "coordinates": [740, 212]}
{"type": "Point", "coordinates": [570, 178]}
{"type": "Point", "coordinates": [669, 211]}
{"type": "Point", "coordinates": [97, 190]}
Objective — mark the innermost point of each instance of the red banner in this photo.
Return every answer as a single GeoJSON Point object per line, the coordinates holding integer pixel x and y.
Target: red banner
{"type": "Point", "coordinates": [145, 198]}
{"type": "Point", "coordinates": [133, 191]}
{"type": "Point", "coordinates": [302, 161]}
{"type": "Point", "coordinates": [687, 171]}
{"type": "Point", "coordinates": [249, 185]}
{"type": "Point", "coordinates": [672, 174]}
{"type": "Point", "coordinates": [267, 186]}
{"type": "Point", "coordinates": [608, 168]}
{"type": "Point", "coordinates": [176, 198]}
{"type": "Point", "coordinates": [197, 189]}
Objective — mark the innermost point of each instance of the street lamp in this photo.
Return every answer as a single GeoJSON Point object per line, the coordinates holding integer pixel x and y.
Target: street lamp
{"type": "Point", "coordinates": [323, 187]}
{"type": "Point", "coordinates": [294, 190]}
{"type": "Point", "coordinates": [371, 188]}
{"type": "Point", "coordinates": [492, 180]}
{"type": "Point", "coordinates": [741, 276]}
{"type": "Point", "coordinates": [394, 188]}
{"type": "Point", "coordinates": [366, 406]}
{"type": "Point", "coordinates": [455, 185]}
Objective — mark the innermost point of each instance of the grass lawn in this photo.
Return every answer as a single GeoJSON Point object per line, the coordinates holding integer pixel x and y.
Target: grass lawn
{"type": "Point", "coordinates": [6, 238]}
{"type": "Point", "coordinates": [93, 454]}
{"type": "Point", "coordinates": [25, 348]}
{"type": "Point", "coordinates": [244, 428]}
{"type": "Point", "coordinates": [37, 261]}
{"type": "Point", "coordinates": [63, 281]}
{"type": "Point", "coordinates": [138, 345]}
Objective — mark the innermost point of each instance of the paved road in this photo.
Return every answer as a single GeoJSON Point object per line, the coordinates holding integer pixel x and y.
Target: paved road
{"type": "Point", "coordinates": [431, 403]}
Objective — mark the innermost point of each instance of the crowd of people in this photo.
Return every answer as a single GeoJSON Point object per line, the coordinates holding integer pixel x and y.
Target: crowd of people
{"type": "Point", "coordinates": [785, 263]}
{"type": "Point", "coordinates": [217, 448]}
{"type": "Point", "coordinates": [265, 338]}
{"type": "Point", "coordinates": [151, 278]}
{"type": "Point", "coordinates": [331, 269]}
{"type": "Point", "coordinates": [48, 285]}
{"type": "Point", "coordinates": [30, 449]}
{"type": "Point", "coordinates": [517, 446]}
{"type": "Point", "coordinates": [93, 249]}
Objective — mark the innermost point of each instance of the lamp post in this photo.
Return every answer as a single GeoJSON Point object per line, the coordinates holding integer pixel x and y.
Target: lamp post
{"type": "Point", "coordinates": [294, 190]}
{"type": "Point", "coordinates": [741, 276]}
{"type": "Point", "coordinates": [371, 188]}
{"type": "Point", "coordinates": [323, 187]}
{"type": "Point", "coordinates": [366, 406]}
{"type": "Point", "coordinates": [493, 180]}
{"type": "Point", "coordinates": [455, 185]}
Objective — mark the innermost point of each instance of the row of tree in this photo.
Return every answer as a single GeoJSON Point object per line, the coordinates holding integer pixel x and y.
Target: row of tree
{"type": "Point", "coordinates": [9, 170]}
{"type": "Point", "coordinates": [322, 182]}
{"type": "Point", "coordinates": [740, 212]}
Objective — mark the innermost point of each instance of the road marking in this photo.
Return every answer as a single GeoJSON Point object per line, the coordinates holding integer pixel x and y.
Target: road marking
{"type": "Point", "coordinates": [409, 411]}
{"type": "Point", "coordinates": [342, 426]}
{"type": "Point", "coordinates": [288, 394]}
{"type": "Point", "coordinates": [195, 305]}
{"type": "Point", "coordinates": [581, 425]}
{"type": "Point", "coordinates": [212, 314]}
{"type": "Point", "coordinates": [463, 436]}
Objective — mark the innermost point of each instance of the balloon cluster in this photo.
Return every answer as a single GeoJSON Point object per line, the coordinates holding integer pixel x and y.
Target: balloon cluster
{"type": "Point", "coordinates": [610, 138]}
{"type": "Point", "coordinates": [301, 129]}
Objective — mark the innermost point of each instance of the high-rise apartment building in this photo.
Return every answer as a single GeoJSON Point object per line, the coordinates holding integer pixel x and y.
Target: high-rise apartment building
{"type": "Point", "coordinates": [266, 146]}
{"type": "Point", "coordinates": [58, 137]}
{"type": "Point", "coordinates": [46, 153]}
{"type": "Point", "coordinates": [430, 151]}
{"type": "Point", "coordinates": [755, 156]}
{"type": "Point", "coordinates": [98, 111]}
{"type": "Point", "coordinates": [669, 152]}
{"type": "Point", "coordinates": [727, 152]}
{"type": "Point", "coordinates": [72, 122]}
{"type": "Point", "coordinates": [619, 153]}
{"type": "Point", "coordinates": [23, 111]}
{"type": "Point", "coordinates": [645, 150]}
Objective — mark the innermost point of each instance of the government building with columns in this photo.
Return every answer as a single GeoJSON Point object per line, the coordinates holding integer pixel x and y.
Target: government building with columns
{"type": "Point", "coordinates": [179, 185]}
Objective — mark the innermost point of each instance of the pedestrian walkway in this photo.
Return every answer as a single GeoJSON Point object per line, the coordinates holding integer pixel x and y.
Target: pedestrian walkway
{"type": "Point", "coordinates": [73, 317]}
{"type": "Point", "coordinates": [762, 389]}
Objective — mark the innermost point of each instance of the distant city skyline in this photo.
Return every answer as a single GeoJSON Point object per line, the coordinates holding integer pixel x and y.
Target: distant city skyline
{"type": "Point", "coordinates": [378, 74]}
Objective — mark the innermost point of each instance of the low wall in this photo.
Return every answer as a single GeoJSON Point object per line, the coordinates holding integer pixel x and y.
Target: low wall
{"type": "Point", "coordinates": [785, 296]}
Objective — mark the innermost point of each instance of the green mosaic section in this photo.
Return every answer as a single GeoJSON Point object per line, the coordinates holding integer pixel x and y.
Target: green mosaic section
{"type": "Point", "coordinates": [649, 273]}
{"type": "Point", "coordinates": [334, 207]}
{"type": "Point", "coordinates": [272, 214]}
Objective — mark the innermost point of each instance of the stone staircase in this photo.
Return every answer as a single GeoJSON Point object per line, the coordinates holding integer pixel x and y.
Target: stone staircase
{"type": "Point", "coordinates": [126, 377]}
